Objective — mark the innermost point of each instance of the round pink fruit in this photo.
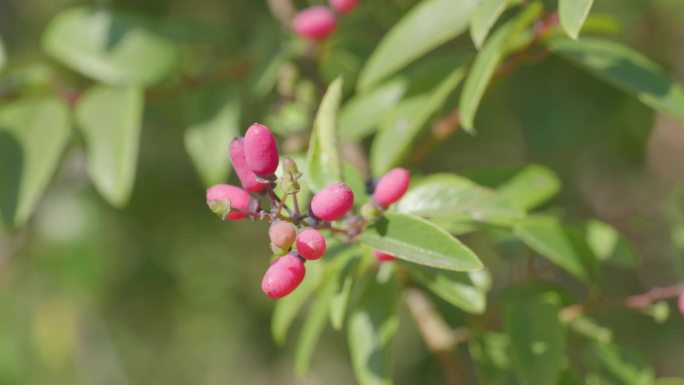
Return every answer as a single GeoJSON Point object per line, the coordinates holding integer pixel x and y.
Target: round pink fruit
{"type": "Point", "coordinates": [315, 23]}
{"type": "Point", "coordinates": [239, 200]}
{"type": "Point", "coordinates": [247, 177]}
{"type": "Point", "coordinates": [283, 276]}
{"type": "Point", "coordinates": [383, 257]}
{"type": "Point", "coordinates": [332, 202]}
{"type": "Point", "coordinates": [392, 186]}
{"type": "Point", "coordinates": [282, 234]}
{"type": "Point", "coordinates": [344, 6]}
{"type": "Point", "coordinates": [261, 151]}
{"type": "Point", "coordinates": [310, 244]}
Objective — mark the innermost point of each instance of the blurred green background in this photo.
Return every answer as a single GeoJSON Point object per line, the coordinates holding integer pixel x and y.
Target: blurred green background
{"type": "Point", "coordinates": [161, 292]}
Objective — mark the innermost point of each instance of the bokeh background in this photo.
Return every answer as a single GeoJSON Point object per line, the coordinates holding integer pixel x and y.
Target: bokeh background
{"type": "Point", "coordinates": [161, 292]}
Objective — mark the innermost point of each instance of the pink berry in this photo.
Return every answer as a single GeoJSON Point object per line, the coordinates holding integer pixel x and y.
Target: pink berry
{"type": "Point", "coordinates": [261, 151]}
{"type": "Point", "coordinates": [282, 234]}
{"type": "Point", "coordinates": [315, 23]}
{"type": "Point", "coordinates": [239, 199]}
{"type": "Point", "coordinates": [332, 202]}
{"type": "Point", "coordinates": [681, 303]}
{"type": "Point", "coordinates": [283, 276]}
{"type": "Point", "coordinates": [383, 257]}
{"type": "Point", "coordinates": [344, 6]}
{"type": "Point", "coordinates": [310, 244]}
{"type": "Point", "coordinates": [247, 177]}
{"type": "Point", "coordinates": [392, 186]}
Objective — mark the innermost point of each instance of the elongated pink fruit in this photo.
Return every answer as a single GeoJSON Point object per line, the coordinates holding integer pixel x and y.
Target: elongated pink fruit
{"type": "Point", "coordinates": [311, 244]}
{"type": "Point", "coordinates": [261, 151]}
{"type": "Point", "coordinates": [681, 303]}
{"type": "Point", "coordinates": [344, 6]}
{"type": "Point", "coordinates": [246, 176]}
{"type": "Point", "coordinates": [238, 199]}
{"type": "Point", "coordinates": [392, 186]}
{"type": "Point", "coordinates": [332, 202]}
{"type": "Point", "coordinates": [315, 23]}
{"type": "Point", "coordinates": [283, 276]}
{"type": "Point", "coordinates": [383, 257]}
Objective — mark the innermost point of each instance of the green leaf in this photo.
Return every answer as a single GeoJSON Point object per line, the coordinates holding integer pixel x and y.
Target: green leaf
{"type": "Point", "coordinates": [342, 290]}
{"type": "Point", "coordinates": [490, 351]}
{"type": "Point", "coordinates": [455, 288]}
{"type": "Point", "coordinates": [547, 236]}
{"type": "Point", "coordinates": [33, 135]}
{"type": "Point", "coordinates": [111, 47]}
{"type": "Point", "coordinates": [425, 27]}
{"type": "Point", "coordinates": [363, 113]}
{"type": "Point", "coordinates": [416, 240]}
{"type": "Point", "coordinates": [572, 14]}
{"type": "Point", "coordinates": [455, 198]}
{"type": "Point", "coordinates": [313, 328]}
{"type": "Point", "coordinates": [625, 69]}
{"type": "Point", "coordinates": [486, 14]}
{"type": "Point", "coordinates": [401, 127]}
{"type": "Point", "coordinates": [373, 322]}
{"type": "Point", "coordinates": [110, 119]}
{"type": "Point", "coordinates": [537, 338]}
{"type": "Point", "coordinates": [615, 366]}
{"type": "Point", "coordinates": [323, 164]}
{"type": "Point", "coordinates": [531, 187]}
{"type": "Point", "coordinates": [214, 119]}
{"type": "Point", "coordinates": [3, 55]}
{"type": "Point", "coordinates": [609, 246]}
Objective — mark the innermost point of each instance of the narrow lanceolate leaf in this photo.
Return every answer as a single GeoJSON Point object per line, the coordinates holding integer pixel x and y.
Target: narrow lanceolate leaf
{"type": "Point", "coordinates": [486, 14]}
{"type": "Point", "coordinates": [371, 329]}
{"type": "Point", "coordinates": [313, 328]}
{"type": "Point", "coordinates": [361, 115]}
{"type": "Point", "coordinates": [213, 120]}
{"type": "Point", "coordinates": [33, 134]}
{"type": "Point", "coordinates": [399, 131]}
{"type": "Point", "coordinates": [548, 237]}
{"type": "Point", "coordinates": [110, 119]}
{"type": "Point", "coordinates": [531, 187]}
{"type": "Point", "coordinates": [427, 26]}
{"type": "Point", "coordinates": [625, 69]}
{"type": "Point", "coordinates": [455, 198]}
{"type": "Point", "coordinates": [537, 338]}
{"type": "Point", "coordinates": [455, 288]}
{"type": "Point", "coordinates": [323, 164]}
{"type": "Point", "coordinates": [572, 14]}
{"type": "Point", "coordinates": [419, 241]}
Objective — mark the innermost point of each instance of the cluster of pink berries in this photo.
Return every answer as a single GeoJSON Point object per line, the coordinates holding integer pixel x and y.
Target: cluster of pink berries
{"type": "Point", "coordinates": [255, 159]}
{"type": "Point", "coordinates": [319, 22]}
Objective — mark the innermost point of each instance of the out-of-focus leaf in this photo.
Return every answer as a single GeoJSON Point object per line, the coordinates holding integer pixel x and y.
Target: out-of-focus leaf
{"type": "Point", "coordinates": [371, 328]}
{"type": "Point", "coordinates": [608, 246]}
{"type": "Point", "coordinates": [361, 115]}
{"type": "Point", "coordinates": [455, 198]}
{"type": "Point", "coordinates": [3, 55]}
{"type": "Point", "coordinates": [401, 127]}
{"type": "Point", "coordinates": [214, 118]}
{"type": "Point", "coordinates": [588, 328]}
{"type": "Point", "coordinates": [313, 328]}
{"type": "Point", "coordinates": [342, 289]}
{"type": "Point", "coordinates": [625, 69]}
{"type": "Point", "coordinates": [614, 366]}
{"type": "Point", "coordinates": [112, 47]}
{"type": "Point", "coordinates": [537, 337]}
{"type": "Point", "coordinates": [427, 26]}
{"type": "Point", "coordinates": [323, 164]}
{"type": "Point", "coordinates": [572, 14]}
{"type": "Point", "coordinates": [486, 14]}
{"type": "Point", "coordinates": [491, 353]}
{"type": "Point", "coordinates": [352, 177]}
{"type": "Point", "coordinates": [547, 236]}
{"type": "Point", "coordinates": [669, 381]}
{"type": "Point", "coordinates": [419, 241]}
{"type": "Point", "coordinates": [532, 186]}
{"type": "Point", "coordinates": [110, 119]}
{"type": "Point", "coordinates": [33, 135]}
{"type": "Point", "coordinates": [455, 288]}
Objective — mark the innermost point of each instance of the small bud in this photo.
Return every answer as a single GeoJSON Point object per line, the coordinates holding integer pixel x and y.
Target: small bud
{"type": "Point", "coordinates": [283, 276]}
{"type": "Point", "coordinates": [383, 257]}
{"type": "Point", "coordinates": [282, 234]}
{"type": "Point", "coordinates": [370, 211]}
{"type": "Point", "coordinates": [311, 244]}
{"type": "Point", "coordinates": [224, 199]}
{"type": "Point", "coordinates": [314, 23]}
{"type": "Point", "coordinates": [344, 6]}
{"type": "Point", "coordinates": [332, 202]}
{"type": "Point", "coordinates": [237, 157]}
{"type": "Point", "coordinates": [289, 182]}
{"type": "Point", "coordinates": [261, 151]}
{"type": "Point", "coordinates": [392, 186]}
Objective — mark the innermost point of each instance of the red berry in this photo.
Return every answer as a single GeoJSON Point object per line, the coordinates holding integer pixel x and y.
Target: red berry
{"type": "Point", "coordinates": [239, 199]}
{"type": "Point", "coordinates": [681, 303]}
{"type": "Point", "coordinates": [392, 186]}
{"type": "Point", "coordinates": [310, 244]}
{"type": "Point", "coordinates": [383, 257]}
{"type": "Point", "coordinates": [282, 234]}
{"type": "Point", "coordinates": [344, 6]}
{"type": "Point", "coordinates": [283, 276]}
{"type": "Point", "coordinates": [261, 151]}
{"type": "Point", "coordinates": [315, 23]}
{"type": "Point", "coordinates": [247, 177]}
{"type": "Point", "coordinates": [332, 202]}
